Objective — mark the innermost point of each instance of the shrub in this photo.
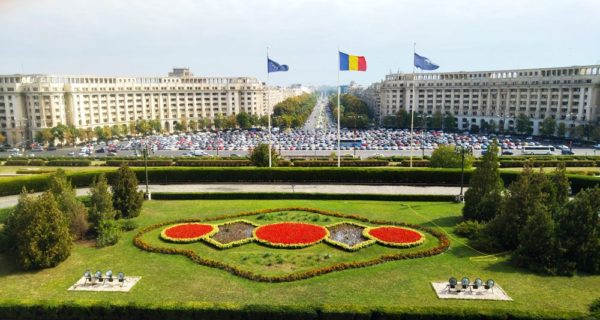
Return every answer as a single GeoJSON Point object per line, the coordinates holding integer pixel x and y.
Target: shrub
{"type": "Point", "coordinates": [260, 156]}
{"type": "Point", "coordinates": [139, 163]}
{"type": "Point", "coordinates": [35, 171]}
{"type": "Point", "coordinates": [595, 306]}
{"type": "Point", "coordinates": [343, 163]}
{"type": "Point", "coordinates": [415, 163]}
{"type": "Point", "coordinates": [16, 162]}
{"type": "Point", "coordinates": [128, 225]}
{"type": "Point", "coordinates": [39, 232]}
{"type": "Point", "coordinates": [446, 157]}
{"type": "Point", "coordinates": [468, 228]}
{"type": "Point", "coordinates": [101, 202]}
{"type": "Point", "coordinates": [37, 162]}
{"type": "Point", "coordinates": [127, 200]}
{"type": "Point", "coordinates": [213, 163]}
{"type": "Point", "coordinates": [109, 233]}
{"type": "Point", "coordinates": [68, 203]}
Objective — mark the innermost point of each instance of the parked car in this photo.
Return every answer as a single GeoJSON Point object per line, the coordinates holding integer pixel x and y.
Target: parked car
{"type": "Point", "coordinates": [566, 152]}
{"type": "Point", "coordinates": [507, 152]}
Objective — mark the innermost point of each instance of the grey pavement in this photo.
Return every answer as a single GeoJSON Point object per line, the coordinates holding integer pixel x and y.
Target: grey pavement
{"type": "Point", "coordinates": [10, 201]}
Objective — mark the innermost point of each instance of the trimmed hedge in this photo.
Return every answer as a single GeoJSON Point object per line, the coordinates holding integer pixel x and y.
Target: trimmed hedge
{"type": "Point", "coordinates": [16, 162]}
{"type": "Point", "coordinates": [343, 163]}
{"type": "Point", "coordinates": [139, 163]}
{"type": "Point", "coordinates": [213, 163]}
{"type": "Point", "coordinates": [124, 310]}
{"type": "Point", "coordinates": [69, 163]}
{"type": "Point", "coordinates": [385, 175]}
{"type": "Point", "coordinates": [298, 195]}
{"type": "Point", "coordinates": [415, 163]}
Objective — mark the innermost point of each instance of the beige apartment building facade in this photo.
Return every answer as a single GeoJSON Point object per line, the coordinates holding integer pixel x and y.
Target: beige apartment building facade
{"type": "Point", "coordinates": [570, 95]}
{"type": "Point", "coordinates": [29, 103]}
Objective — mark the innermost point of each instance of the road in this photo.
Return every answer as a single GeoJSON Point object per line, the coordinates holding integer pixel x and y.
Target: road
{"type": "Point", "coordinates": [10, 201]}
{"type": "Point", "coordinates": [320, 118]}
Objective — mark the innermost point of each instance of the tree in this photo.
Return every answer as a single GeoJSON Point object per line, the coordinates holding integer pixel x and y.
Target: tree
{"type": "Point", "coordinates": [446, 157]}
{"type": "Point", "coordinates": [70, 135]}
{"type": "Point", "coordinates": [101, 202]}
{"type": "Point", "coordinates": [449, 122]}
{"type": "Point", "coordinates": [491, 126]}
{"type": "Point", "coordinates": [193, 125]}
{"type": "Point", "coordinates": [243, 120]}
{"type": "Point", "coordinates": [548, 127]}
{"type": "Point", "coordinates": [561, 130]}
{"type": "Point", "coordinates": [59, 132]}
{"type": "Point", "coordinates": [578, 233]}
{"type": "Point", "coordinates": [437, 120]}
{"type": "Point", "coordinates": [260, 156]}
{"type": "Point", "coordinates": [45, 136]}
{"type": "Point", "coordinates": [485, 188]}
{"type": "Point", "coordinates": [523, 124]}
{"type": "Point", "coordinates": [2, 139]}
{"type": "Point", "coordinates": [39, 232]}
{"type": "Point", "coordinates": [115, 130]}
{"type": "Point", "coordinates": [537, 242]}
{"type": "Point", "coordinates": [73, 209]}
{"type": "Point", "coordinates": [127, 200]}
{"type": "Point", "coordinates": [389, 121]}
{"type": "Point", "coordinates": [181, 125]}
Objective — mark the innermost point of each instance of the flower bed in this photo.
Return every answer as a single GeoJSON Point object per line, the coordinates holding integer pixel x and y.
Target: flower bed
{"type": "Point", "coordinates": [187, 232]}
{"type": "Point", "coordinates": [348, 236]}
{"type": "Point", "coordinates": [290, 234]}
{"type": "Point", "coordinates": [232, 233]}
{"type": "Point", "coordinates": [395, 236]}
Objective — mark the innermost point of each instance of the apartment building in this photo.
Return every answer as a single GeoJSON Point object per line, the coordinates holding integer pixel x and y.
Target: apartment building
{"type": "Point", "coordinates": [570, 95]}
{"type": "Point", "coordinates": [29, 103]}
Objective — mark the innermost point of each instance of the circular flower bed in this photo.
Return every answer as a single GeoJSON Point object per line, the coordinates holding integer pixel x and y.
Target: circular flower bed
{"type": "Point", "coordinates": [187, 232]}
{"type": "Point", "coordinates": [290, 234]}
{"type": "Point", "coordinates": [395, 236]}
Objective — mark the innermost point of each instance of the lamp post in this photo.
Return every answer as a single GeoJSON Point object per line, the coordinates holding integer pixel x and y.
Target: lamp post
{"type": "Point", "coordinates": [462, 150]}
{"type": "Point", "coordinates": [144, 149]}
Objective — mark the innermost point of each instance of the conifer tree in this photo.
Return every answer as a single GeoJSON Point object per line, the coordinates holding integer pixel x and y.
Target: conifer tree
{"type": "Point", "coordinates": [101, 202]}
{"type": "Point", "coordinates": [74, 210]}
{"type": "Point", "coordinates": [127, 200]}
{"type": "Point", "coordinates": [483, 198]}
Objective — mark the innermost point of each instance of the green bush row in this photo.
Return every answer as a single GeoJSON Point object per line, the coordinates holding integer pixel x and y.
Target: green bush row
{"type": "Point", "coordinates": [139, 163]}
{"type": "Point", "coordinates": [53, 163]}
{"type": "Point", "coordinates": [384, 175]}
{"type": "Point", "coordinates": [343, 163]}
{"type": "Point", "coordinates": [213, 163]}
{"type": "Point", "coordinates": [117, 310]}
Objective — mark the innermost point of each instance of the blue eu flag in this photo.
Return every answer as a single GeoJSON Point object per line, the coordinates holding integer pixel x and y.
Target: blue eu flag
{"type": "Point", "coordinates": [273, 66]}
{"type": "Point", "coordinates": [424, 64]}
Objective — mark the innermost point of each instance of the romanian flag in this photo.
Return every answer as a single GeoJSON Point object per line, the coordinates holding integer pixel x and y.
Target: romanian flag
{"type": "Point", "coordinates": [352, 63]}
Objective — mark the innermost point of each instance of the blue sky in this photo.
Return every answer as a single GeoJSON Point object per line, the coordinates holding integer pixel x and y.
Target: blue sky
{"type": "Point", "coordinates": [229, 37]}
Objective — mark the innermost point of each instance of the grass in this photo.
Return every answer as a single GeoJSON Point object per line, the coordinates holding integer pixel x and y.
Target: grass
{"type": "Point", "coordinates": [175, 279]}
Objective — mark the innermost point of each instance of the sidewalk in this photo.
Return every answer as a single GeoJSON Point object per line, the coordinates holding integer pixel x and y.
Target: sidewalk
{"type": "Point", "coordinates": [10, 201]}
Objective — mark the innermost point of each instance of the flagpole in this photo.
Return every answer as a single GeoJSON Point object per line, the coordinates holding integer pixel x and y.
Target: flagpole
{"type": "Point", "coordinates": [269, 108]}
{"type": "Point", "coordinates": [339, 159]}
{"type": "Point", "coordinates": [412, 106]}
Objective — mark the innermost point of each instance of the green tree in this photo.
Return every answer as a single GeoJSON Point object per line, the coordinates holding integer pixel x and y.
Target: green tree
{"type": "Point", "coordinates": [579, 233]}
{"type": "Point", "coordinates": [537, 241]}
{"type": "Point", "coordinates": [73, 209]}
{"type": "Point", "coordinates": [485, 188]}
{"type": "Point", "coordinates": [127, 200]}
{"type": "Point", "coordinates": [59, 132]}
{"type": "Point", "coordinates": [44, 136]}
{"type": "Point", "coordinates": [243, 120]}
{"type": "Point", "coordinates": [39, 232]}
{"type": "Point", "coordinates": [561, 130]}
{"type": "Point", "coordinates": [548, 127]}
{"type": "Point", "coordinates": [437, 120]}
{"type": "Point", "coordinates": [115, 130]}
{"type": "Point", "coordinates": [389, 121]}
{"type": "Point", "coordinates": [260, 156]}
{"type": "Point", "coordinates": [445, 157]}
{"type": "Point", "coordinates": [193, 125]}
{"type": "Point", "coordinates": [449, 122]}
{"type": "Point", "coordinates": [523, 124]}
{"type": "Point", "coordinates": [108, 233]}
{"type": "Point", "coordinates": [101, 202]}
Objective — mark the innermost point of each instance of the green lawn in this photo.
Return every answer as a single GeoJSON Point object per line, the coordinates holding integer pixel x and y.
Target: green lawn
{"type": "Point", "coordinates": [175, 279]}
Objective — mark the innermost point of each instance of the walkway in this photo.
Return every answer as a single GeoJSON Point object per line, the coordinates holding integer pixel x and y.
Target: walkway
{"type": "Point", "coordinates": [10, 201]}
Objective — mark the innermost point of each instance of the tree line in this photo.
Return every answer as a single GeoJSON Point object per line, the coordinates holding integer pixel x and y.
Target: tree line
{"type": "Point", "coordinates": [534, 219]}
{"type": "Point", "coordinates": [436, 121]}
{"type": "Point", "coordinates": [355, 113]}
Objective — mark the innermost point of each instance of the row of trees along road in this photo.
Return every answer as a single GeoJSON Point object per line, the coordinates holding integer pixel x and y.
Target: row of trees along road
{"type": "Point", "coordinates": [40, 231]}
{"type": "Point", "coordinates": [293, 112]}
{"type": "Point", "coordinates": [354, 112]}
{"type": "Point", "coordinates": [534, 219]}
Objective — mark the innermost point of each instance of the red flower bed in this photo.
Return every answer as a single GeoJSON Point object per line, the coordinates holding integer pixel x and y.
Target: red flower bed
{"type": "Point", "coordinates": [290, 234]}
{"type": "Point", "coordinates": [395, 236]}
{"type": "Point", "coordinates": [187, 232]}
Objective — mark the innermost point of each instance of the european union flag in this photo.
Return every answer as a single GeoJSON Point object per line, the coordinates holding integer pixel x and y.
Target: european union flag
{"type": "Point", "coordinates": [424, 64]}
{"type": "Point", "coordinates": [273, 66]}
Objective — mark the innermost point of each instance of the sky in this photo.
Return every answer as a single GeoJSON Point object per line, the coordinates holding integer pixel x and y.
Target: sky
{"type": "Point", "coordinates": [230, 37]}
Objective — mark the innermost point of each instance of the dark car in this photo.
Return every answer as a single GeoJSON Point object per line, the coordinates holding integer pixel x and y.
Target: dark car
{"type": "Point", "coordinates": [507, 152]}
{"type": "Point", "coordinates": [566, 152]}
{"type": "Point", "coordinates": [51, 148]}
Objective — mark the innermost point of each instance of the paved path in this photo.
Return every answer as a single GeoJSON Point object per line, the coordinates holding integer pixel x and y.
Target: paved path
{"type": "Point", "coordinates": [10, 201]}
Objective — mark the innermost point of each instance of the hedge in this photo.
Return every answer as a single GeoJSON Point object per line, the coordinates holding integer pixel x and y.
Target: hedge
{"type": "Point", "coordinates": [69, 163]}
{"type": "Point", "coordinates": [139, 163]}
{"type": "Point", "coordinates": [213, 163]}
{"type": "Point", "coordinates": [16, 162]}
{"type": "Point", "coordinates": [385, 175]}
{"type": "Point", "coordinates": [167, 310]}
{"type": "Point", "coordinates": [343, 163]}
{"type": "Point", "coordinates": [298, 195]}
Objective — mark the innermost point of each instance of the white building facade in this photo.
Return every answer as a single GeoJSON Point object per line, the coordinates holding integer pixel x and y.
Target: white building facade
{"type": "Point", "coordinates": [570, 95]}
{"type": "Point", "coordinates": [29, 103]}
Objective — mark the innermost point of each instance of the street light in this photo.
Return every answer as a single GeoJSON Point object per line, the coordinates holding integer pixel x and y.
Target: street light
{"type": "Point", "coordinates": [144, 149]}
{"type": "Point", "coordinates": [462, 150]}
